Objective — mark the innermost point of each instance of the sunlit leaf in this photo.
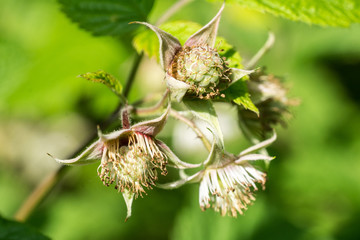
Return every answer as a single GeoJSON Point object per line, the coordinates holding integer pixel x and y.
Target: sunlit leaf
{"type": "Point", "coordinates": [323, 12]}
{"type": "Point", "coordinates": [107, 17]}
{"type": "Point", "coordinates": [106, 79]}
{"type": "Point", "coordinates": [239, 94]}
{"type": "Point", "coordinates": [229, 52]}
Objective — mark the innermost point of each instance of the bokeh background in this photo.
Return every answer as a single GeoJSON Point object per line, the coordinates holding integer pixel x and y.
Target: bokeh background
{"type": "Point", "coordinates": [313, 188]}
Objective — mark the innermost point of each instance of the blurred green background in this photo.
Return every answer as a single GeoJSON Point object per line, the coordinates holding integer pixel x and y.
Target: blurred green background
{"type": "Point", "coordinates": [313, 188]}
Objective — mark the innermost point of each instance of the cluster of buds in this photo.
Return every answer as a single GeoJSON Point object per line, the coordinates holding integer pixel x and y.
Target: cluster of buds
{"type": "Point", "coordinates": [131, 158]}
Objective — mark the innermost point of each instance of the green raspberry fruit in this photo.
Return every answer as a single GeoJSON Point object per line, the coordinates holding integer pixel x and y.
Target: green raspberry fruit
{"type": "Point", "coordinates": [202, 68]}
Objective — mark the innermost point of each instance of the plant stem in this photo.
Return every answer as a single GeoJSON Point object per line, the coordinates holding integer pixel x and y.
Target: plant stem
{"type": "Point", "coordinates": [268, 44]}
{"type": "Point", "coordinates": [49, 182]}
{"type": "Point", "coordinates": [153, 109]}
{"type": "Point", "coordinates": [173, 9]}
{"type": "Point", "coordinates": [132, 74]}
{"type": "Point", "coordinates": [193, 126]}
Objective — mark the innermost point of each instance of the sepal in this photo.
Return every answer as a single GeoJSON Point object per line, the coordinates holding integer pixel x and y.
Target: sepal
{"type": "Point", "coordinates": [128, 197]}
{"type": "Point", "coordinates": [174, 161]}
{"type": "Point", "coordinates": [152, 127]}
{"type": "Point", "coordinates": [169, 45]}
{"type": "Point", "coordinates": [207, 34]}
{"type": "Point", "coordinates": [90, 155]}
{"type": "Point", "coordinates": [259, 145]}
{"type": "Point", "coordinates": [176, 184]}
{"type": "Point", "coordinates": [177, 88]}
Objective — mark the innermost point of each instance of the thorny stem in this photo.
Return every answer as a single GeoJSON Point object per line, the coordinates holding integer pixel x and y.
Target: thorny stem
{"type": "Point", "coordinates": [48, 183]}
{"type": "Point", "coordinates": [193, 126]}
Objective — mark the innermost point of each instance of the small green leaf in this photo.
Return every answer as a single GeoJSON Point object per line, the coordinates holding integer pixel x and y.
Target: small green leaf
{"type": "Point", "coordinates": [106, 79]}
{"type": "Point", "coordinates": [229, 52]}
{"type": "Point", "coordinates": [205, 110]}
{"type": "Point", "coordinates": [322, 12]}
{"type": "Point", "coordinates": [246, 102]}
{"type": "Point", "coordinates": [11, 230]}
{"type": "Point", "coordinates": [239, 94]}
{"type": "Point", "coordinates": [147, 41]}
{"type": "Point", "coordinates": [107, 17]}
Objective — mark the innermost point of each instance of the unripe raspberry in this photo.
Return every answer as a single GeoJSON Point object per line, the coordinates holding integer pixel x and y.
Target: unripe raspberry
{"type": "Point", "coordinates": [195, 69]}
{"type": "Point", "coordinates": [202, 68]}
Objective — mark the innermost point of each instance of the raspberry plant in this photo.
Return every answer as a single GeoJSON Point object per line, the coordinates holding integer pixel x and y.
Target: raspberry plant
{"type": "Point", "coordinates": [200, 70]}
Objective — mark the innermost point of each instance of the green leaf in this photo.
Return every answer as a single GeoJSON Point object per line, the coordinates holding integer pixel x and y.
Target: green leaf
{"type": "Point", "coordinates": [205, 110]}
{"type": "Point", "coordinates": [106, 79]}
{"type": "Point", "coordinates": [322, 12]}
{"type": "Point", "coordinates": [229, 52]}
{"type": "Point", "coordinates": [107, 17]}
{"type": "Point", "coordinates": [246, 102]}
{"type": "Point", "coordinates": [11, 230]}
{"type": "Point", "coordinates": [147, 41]}
{"type": "Point", "coordinates": [239, 94]}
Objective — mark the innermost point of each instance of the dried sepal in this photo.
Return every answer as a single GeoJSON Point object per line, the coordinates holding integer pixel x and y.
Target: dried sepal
{"type": "Point", "coordinates": [154, 126]}
{"type": "Point", "coordinates": [177, 88]}
{"type": "Point", "coordinates": [237, 74]}
{"type": "Point", "coordinates": [91, 154]}
{"type": "Point", "coordinates": [207, 34]}
{"type": "Point", "coordinates": [169, 45]}
{"type": "Point", "coordinates": [260, 145]}
{"type": "Point", "coordinates": [176, 184]}
{"type": "Point", "coordinates": [174, 161]}
{"type": "Point", "coordinates": [253, 157]}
